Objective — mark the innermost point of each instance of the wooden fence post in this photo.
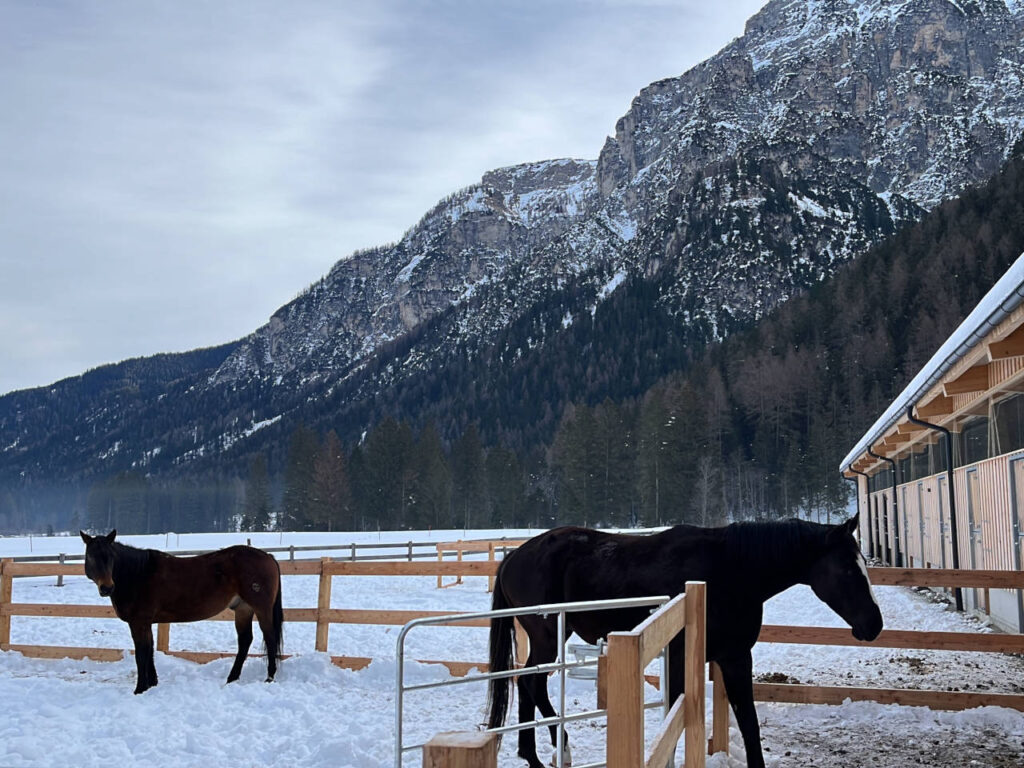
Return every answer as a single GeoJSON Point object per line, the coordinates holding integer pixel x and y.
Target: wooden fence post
{"type": "Point", "coordinates": [440, 559]}
{"type": "Point", "coordinates": [490, 556]}
{"type": "Point", "coordinates": [323, 605]}
{"type": "Point", "coordinates": [458, 749]}
{"type": "Point", "coordinates": [694, 674]}
{"type": "Point", "coordinates": [626, 708]}
{"type": "Point", "coordinates": [6, 594]}
{"type": "Point", "coordinates": [60, 576]}
{"type": "Point", "coordinates": [163, 637]}
{"type": "Point", "coordinates": [719, 741]}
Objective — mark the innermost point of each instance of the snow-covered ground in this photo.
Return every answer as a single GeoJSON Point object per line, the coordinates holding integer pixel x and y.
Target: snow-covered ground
{"type": "Point", "coordinates": [61, 712]}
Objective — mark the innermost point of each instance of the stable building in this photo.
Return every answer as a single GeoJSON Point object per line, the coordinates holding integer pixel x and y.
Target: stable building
{"type": "Point", "coordinates": [940, 474]}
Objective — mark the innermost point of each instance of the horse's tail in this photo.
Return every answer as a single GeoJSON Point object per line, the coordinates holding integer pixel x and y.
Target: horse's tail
{"type": "Point", "coordinates": [502, 632]}
{"type": "Point", "coordinates": [275, 644]}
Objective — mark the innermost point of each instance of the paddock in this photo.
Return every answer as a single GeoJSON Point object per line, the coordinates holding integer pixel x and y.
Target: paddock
{"type": "Point", "coordinates": [775, 664]}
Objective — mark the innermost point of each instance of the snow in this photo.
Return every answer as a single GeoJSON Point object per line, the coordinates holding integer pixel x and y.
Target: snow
{"type": "Point", "coordinates": [315, 714]}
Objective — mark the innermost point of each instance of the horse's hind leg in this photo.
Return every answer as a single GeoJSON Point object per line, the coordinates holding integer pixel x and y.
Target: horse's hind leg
{"type": "Point", "coordinates": [539, 693]}
{"type": "Point", "coordinates": [243, 626]}
{"type": "Point", "coordinates": [270, 626]}
{"type": "Point", "coordinates": [532, 689]}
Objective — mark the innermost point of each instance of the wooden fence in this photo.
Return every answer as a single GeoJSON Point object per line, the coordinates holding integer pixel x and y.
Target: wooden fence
{"type": "Point", "coordinates": [628, 655]}
{"type": "Point", "coordinates": [474, 546]}
{"type": "Point", "coordinates": [322, 615]}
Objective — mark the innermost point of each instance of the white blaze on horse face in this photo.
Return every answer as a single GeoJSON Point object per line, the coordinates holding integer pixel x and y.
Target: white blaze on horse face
{"type": "Point", "coordinates": [862, 564]}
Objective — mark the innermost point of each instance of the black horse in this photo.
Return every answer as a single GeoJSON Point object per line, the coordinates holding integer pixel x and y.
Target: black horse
{"type": "Point", "coordinates": [743, 564]}
{"type": "Point", "coordinates": [149, 587]}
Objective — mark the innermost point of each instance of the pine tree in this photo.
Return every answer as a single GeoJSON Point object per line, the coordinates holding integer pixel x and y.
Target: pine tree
{"type": "Point", "coordinates": [256, 509]}
{"type": "Point", "coordinates": [297, 503]}
{"type": "Point", "coordinates": [332, 496]}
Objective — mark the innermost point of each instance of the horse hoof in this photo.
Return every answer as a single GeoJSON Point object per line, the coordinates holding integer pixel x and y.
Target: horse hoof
{"type": "Point", "coordinates": [269, 680]}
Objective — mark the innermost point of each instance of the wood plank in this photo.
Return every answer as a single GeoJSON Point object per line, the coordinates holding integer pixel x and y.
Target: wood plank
{"type": "Point", "coordinates": [909, 428]}
{"type": "Point", "coordinates": [625, 731]}
{"type": "Point", "coordinates": [323, 605]}
{"type": "Point", "coordinates": [45, 569]}
{"type": "Point", "coordinates": [947, 700]}
{"type": "Point", "coordinates": [68, 652]}
{"type": "Point", "coordinates": [937, 406]}
{"type": "Point", "coordinates": [894, 638]}
{"type": "Point", "coordinates": [395, 617]}
{"type": "Point", "coordinates": [974, 379]}
{"type": "Point", "coordinates": [58, 609]}
{"type": "Point", "coordinates": [948, 577]}
{"type": "Point", "coordinates": [695, 673]}
{"type": "Point", "coordinates": [1010, 346]}
{"type": "Point", "coordinates": [426, 568]}
{"type": "Point", "coordinates": [719, 741]}
{"type": "Point", "coordinates": [660, 627]}
{"type": "Point", "coordinates": [668, 736]}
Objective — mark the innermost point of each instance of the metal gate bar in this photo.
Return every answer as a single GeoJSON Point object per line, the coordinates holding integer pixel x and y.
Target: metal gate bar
{"type": "Point", "coordinates": [560, 665]}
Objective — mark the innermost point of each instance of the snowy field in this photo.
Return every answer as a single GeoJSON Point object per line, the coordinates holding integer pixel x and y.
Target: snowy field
{"type": "Point", "coordinates": [64, 712]}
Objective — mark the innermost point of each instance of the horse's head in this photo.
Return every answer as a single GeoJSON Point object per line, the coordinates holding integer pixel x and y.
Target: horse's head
{"type": "Point", "coordinates": [99, 560]}
{"type": "Point", "coordinates": [840, 578]}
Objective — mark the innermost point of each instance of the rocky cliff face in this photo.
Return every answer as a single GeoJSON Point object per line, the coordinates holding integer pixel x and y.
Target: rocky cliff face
{"type": "Point", "coordinates": [820, 131]}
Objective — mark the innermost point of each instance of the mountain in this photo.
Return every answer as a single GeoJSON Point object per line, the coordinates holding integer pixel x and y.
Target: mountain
{"type": "Point", "coordinates": [823, 130]}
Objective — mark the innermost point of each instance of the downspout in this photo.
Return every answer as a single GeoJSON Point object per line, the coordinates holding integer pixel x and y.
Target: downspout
{"type": "Point", "coordinates": [867, 498]}
{"type": "Point", "coordinates": [952, 495]}
{"type": "Point", "coordinates": [895, 510]}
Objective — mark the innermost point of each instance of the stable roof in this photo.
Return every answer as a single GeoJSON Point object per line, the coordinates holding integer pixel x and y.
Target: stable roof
{"type": "Point", "coordinates": [1004, 297]}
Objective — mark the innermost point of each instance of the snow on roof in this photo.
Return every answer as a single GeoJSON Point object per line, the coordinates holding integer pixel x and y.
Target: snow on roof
{"type": "Point", "coordinates": [1005, 296]}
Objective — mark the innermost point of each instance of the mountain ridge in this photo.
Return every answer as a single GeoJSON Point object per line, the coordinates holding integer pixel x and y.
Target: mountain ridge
{"type": "Point", "coordinates": [824, 129]}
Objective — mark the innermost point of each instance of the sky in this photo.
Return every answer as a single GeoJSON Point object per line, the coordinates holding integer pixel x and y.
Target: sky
{"type": "Point", "coordinates": [173, 173]}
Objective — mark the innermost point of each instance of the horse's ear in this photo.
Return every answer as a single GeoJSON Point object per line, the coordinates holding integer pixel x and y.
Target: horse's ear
{"type": "Point", "coordinates": [110, 536]}
{"type": "Point", "coordinates": [851, 524]}
{"type": "Point", "coordinates": [85, 537]}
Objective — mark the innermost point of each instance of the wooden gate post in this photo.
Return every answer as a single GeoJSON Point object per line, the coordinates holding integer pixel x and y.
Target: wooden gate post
{"type": "Point", "coordinates": [323, 605]}
{"type": "Point", "coordinates": [6, 594]}
{"type": "Point", "coordinates": [461, 749]}
{"type": "Point", "coordinates": [626, 707]}
{"type": "Point", "coordinates": [694, 674]}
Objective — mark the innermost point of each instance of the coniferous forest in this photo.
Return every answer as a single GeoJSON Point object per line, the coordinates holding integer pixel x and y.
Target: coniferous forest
{"type": "Point", "coordinates": [618, 421]}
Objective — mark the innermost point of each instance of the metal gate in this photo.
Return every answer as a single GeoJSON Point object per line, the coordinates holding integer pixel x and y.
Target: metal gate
{"type": "Point", "coordinates": [561, 666]}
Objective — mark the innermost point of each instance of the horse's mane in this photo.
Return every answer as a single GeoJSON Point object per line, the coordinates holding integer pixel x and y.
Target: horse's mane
{"type": "Point", "coordinates": [131, 562]}
{"type": "Point", "coordinates": [790, 541]}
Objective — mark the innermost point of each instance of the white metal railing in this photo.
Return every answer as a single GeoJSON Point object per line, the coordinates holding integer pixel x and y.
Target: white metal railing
{"type": "Point", "coordinates": [560, 665]}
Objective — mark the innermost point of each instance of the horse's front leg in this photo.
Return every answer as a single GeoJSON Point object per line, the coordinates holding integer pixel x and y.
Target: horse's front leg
{"type": "Point", "coordinates": [737, 674]}
{"type": "Point", "coordinates": [142, 636]}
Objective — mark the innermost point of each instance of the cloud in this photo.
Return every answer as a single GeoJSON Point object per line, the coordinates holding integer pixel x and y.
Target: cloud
{"type": "Point", "coordinates": [175, 172]}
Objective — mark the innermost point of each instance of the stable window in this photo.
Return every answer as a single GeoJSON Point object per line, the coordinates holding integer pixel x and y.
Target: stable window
{"type": "Point", "coordinates": [974, 440]}
{"type": "Point", "coordinates": [1009, 426]}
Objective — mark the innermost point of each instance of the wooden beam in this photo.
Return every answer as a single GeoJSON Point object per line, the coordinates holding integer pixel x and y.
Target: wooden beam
{"type": "Point", "coordinates": [937, 406]}
{"type": "Point", "coordinates": [895, 439]}
{"type": "Point", "coordinates": [894, 638]}
{"type": "Point", "coordinates": [946, 577]}
{"type": "Point", "coordinates": [950, 700]}
{"type": "Point", "coordinates": [1010, 346]}
{"type": "Point", "coordinates": [974, 379]}
{"type": "Point", "coordinates": [909, 428]}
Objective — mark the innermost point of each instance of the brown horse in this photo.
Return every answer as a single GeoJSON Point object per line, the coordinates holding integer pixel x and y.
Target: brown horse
{"type": "Point", "coordinates": [149, 587]}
